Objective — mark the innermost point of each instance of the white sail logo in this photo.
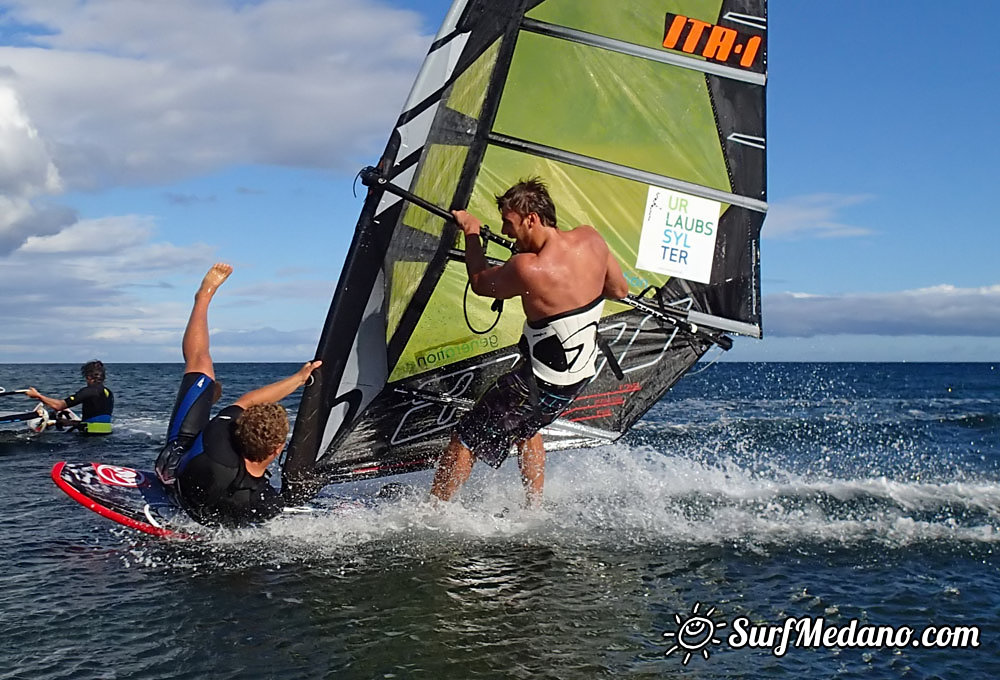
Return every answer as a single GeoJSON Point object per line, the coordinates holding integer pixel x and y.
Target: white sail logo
{"type": "Point", "coordinates": [678, 235]}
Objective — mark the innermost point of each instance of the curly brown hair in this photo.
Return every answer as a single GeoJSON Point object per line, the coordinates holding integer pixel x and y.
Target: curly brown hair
{"type": "Point", "coordinates": [260, 429]}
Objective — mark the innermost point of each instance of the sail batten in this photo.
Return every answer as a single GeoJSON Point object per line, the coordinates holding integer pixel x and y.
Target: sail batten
{"type": "Point", "coordinates": [726, 325]}
{"type": "Point", "coordinates": [584, 38]}
{"type": "Point", "coordinates": [655, 135]}
{"type": "Point", "coordinates": [625, 172]}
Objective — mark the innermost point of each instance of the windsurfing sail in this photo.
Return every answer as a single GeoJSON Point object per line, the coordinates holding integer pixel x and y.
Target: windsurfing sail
{"type": "Point", "coordinates": [646, 120]}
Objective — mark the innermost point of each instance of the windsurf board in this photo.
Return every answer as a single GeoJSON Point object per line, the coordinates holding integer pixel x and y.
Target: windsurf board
{"type": "Point", "coordinates": [139, 500]}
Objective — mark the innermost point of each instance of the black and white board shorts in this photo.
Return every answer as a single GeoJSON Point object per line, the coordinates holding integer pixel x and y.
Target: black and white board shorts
{"type": "Point", "coordinates": [505, 415]}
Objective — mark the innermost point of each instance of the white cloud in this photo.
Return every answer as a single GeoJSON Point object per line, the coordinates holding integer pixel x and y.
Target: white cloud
{"type": "Point", "coordinates": [265, 344]}
{"type": "Point", "coordinates": [943, 310]}
{"type": "Point", "coordinates": [93, 236]}
{"type": "Point", "coordinates": [142, 92]}
{"type": "Point", "coordinates": [69, 297]}
{"type": "Point", "coordinates": [25, 166]}
{"type": "Point", "coordinates": [26, 172]}
{"type": "Point", "coordinates": [812, 216]}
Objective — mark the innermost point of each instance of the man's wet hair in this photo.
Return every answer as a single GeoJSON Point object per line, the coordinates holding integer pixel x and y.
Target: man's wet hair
{"type": "Point", "coordinates": [93, 370]}
{"type": "Point", "coordinates": [529, 196]}
{"type": "Point", "coordinates": [259, 430]}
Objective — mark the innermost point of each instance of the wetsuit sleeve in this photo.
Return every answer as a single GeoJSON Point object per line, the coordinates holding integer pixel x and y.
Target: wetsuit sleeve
{"type": "Point", "coordinates": [88, 392]}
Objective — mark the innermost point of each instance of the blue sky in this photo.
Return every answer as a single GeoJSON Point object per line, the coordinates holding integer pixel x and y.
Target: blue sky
{"type": "Point", "coordinates": [143, 141]}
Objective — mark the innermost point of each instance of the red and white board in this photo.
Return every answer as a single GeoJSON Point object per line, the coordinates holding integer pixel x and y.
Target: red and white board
{"type": "Point", "coordinates": [134, 498]}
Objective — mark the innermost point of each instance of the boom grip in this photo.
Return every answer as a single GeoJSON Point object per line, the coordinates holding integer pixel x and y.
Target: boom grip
{"type": "Point", "coordinates": [373, 179]}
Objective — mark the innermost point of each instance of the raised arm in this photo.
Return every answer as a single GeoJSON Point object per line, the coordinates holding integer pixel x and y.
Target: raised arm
{"type": "Point", "coordinates": [277, 391]}
{"type": "Point", "coordinates": [502, 282]}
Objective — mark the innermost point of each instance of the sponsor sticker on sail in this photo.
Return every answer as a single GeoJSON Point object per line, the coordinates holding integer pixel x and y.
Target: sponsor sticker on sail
{"type": "Point", "coordinates": [678, 235]}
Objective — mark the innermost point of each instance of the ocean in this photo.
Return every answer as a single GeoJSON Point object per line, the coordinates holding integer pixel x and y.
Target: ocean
{"type": "Point", "coordinates": [855, 505]}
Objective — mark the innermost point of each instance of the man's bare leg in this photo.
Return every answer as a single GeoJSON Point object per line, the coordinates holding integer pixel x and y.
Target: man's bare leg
{"type": "Point", "coordinates": [195, 344]}
{"type": "Point", "coordinates": [531, 460]}
{"type": "Point", "coordinates": [453, 469]}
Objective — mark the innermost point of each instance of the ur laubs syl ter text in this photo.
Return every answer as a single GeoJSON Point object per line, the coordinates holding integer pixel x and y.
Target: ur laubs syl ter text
{"type": "Point", "coordinates": [678, 235]}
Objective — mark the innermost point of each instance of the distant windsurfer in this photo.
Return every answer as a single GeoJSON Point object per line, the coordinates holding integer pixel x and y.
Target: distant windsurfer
{"type": "Point", "coordinates": [219, 466]}
{"type": "Point", "coordinates": [97, 402]}
{"type": "Point", "coordinates": [562, 278]}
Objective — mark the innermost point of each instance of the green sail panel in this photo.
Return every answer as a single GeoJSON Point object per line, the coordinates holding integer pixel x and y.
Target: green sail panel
{"type": "Point", "coordinates": [468, 93]}
{"type": "Point", "coordinates": [437, 183]}
{"type": "Point", "coordinates": [636, 21]}
{"type": "Point", "coordinates": [440, 168]}
{"type": "Point", "coordinates": [442, 337]}
{"type": "Point", "coordinates": [602, 115]}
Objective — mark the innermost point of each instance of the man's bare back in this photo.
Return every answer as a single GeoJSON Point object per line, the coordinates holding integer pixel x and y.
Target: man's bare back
{"type": "Point", "coordinates": [569, 272]}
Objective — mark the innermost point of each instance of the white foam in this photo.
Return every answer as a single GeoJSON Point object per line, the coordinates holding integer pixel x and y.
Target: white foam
{"type": "Point", "coordinates": [624, 496]}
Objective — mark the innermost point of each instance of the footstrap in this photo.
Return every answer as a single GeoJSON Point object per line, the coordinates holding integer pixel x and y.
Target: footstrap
{"type": "Point", "coordinates": [613, 364]}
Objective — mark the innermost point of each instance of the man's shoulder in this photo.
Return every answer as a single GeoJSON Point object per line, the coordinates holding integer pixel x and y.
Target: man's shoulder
{"type": "Point", "coordinates": [231, 412]}
{"type": "Point", "coordinates": [587, 232]}
{"type": "Point", "coordinates": [523, 264]}
{"type": "Point", "coordinates": [90, 390]}
{"type": "Point", "coordinates": [217, 434]}
{"type": "Point", "coordinates": [217, 438]}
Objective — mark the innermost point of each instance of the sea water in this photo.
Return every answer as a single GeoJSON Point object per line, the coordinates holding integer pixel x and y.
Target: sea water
{"type": "Point", "coordinates": [837, 497]}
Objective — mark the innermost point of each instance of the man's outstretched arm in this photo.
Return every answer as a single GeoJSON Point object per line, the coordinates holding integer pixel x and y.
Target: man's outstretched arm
{"type": "Point", "coordinates": [54, 404]}
{"type": "Point", "coordinates": [277, 391]}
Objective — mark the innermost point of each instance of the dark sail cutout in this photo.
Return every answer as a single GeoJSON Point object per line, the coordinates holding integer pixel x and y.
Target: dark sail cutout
{"type": "Point", "coordinates": [662, 149]}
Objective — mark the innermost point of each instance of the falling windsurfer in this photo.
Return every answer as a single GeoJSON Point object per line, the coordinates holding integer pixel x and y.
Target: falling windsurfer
{"type": "Point", "coordinates": [96, 400]}
{"type": "Point", "coordinates": [562, 278]}
{"type": "Point", "coordinates": [218, 467]}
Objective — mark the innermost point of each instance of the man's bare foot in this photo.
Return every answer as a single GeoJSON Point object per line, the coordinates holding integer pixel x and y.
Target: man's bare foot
{"type": "Point", "coordinates": [218, 273]}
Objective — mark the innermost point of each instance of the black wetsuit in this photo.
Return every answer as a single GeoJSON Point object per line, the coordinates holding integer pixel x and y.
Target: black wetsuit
{"type": "Point", "coordinates": [98, 404]}
{"type": "Point", "coordinates": [213, 484]}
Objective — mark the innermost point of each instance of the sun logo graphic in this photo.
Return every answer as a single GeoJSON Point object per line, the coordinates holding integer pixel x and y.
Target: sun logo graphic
{"type": "Point", "coordinates": [694, 633]}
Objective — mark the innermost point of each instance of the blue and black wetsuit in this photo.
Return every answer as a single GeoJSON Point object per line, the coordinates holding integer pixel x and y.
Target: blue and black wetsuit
{"type": "Point", "coordinates": [213, 484]}
{"type": "Point", "coordinates": [191, 413]}
{"type": "Point", "coordinates": [98, 404]}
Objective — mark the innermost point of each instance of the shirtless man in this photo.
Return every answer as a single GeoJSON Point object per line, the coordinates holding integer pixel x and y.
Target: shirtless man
{"type": "Point", "coordinates": [219, 466]}
{"type": "Point", "coordinates": [562, 278]}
